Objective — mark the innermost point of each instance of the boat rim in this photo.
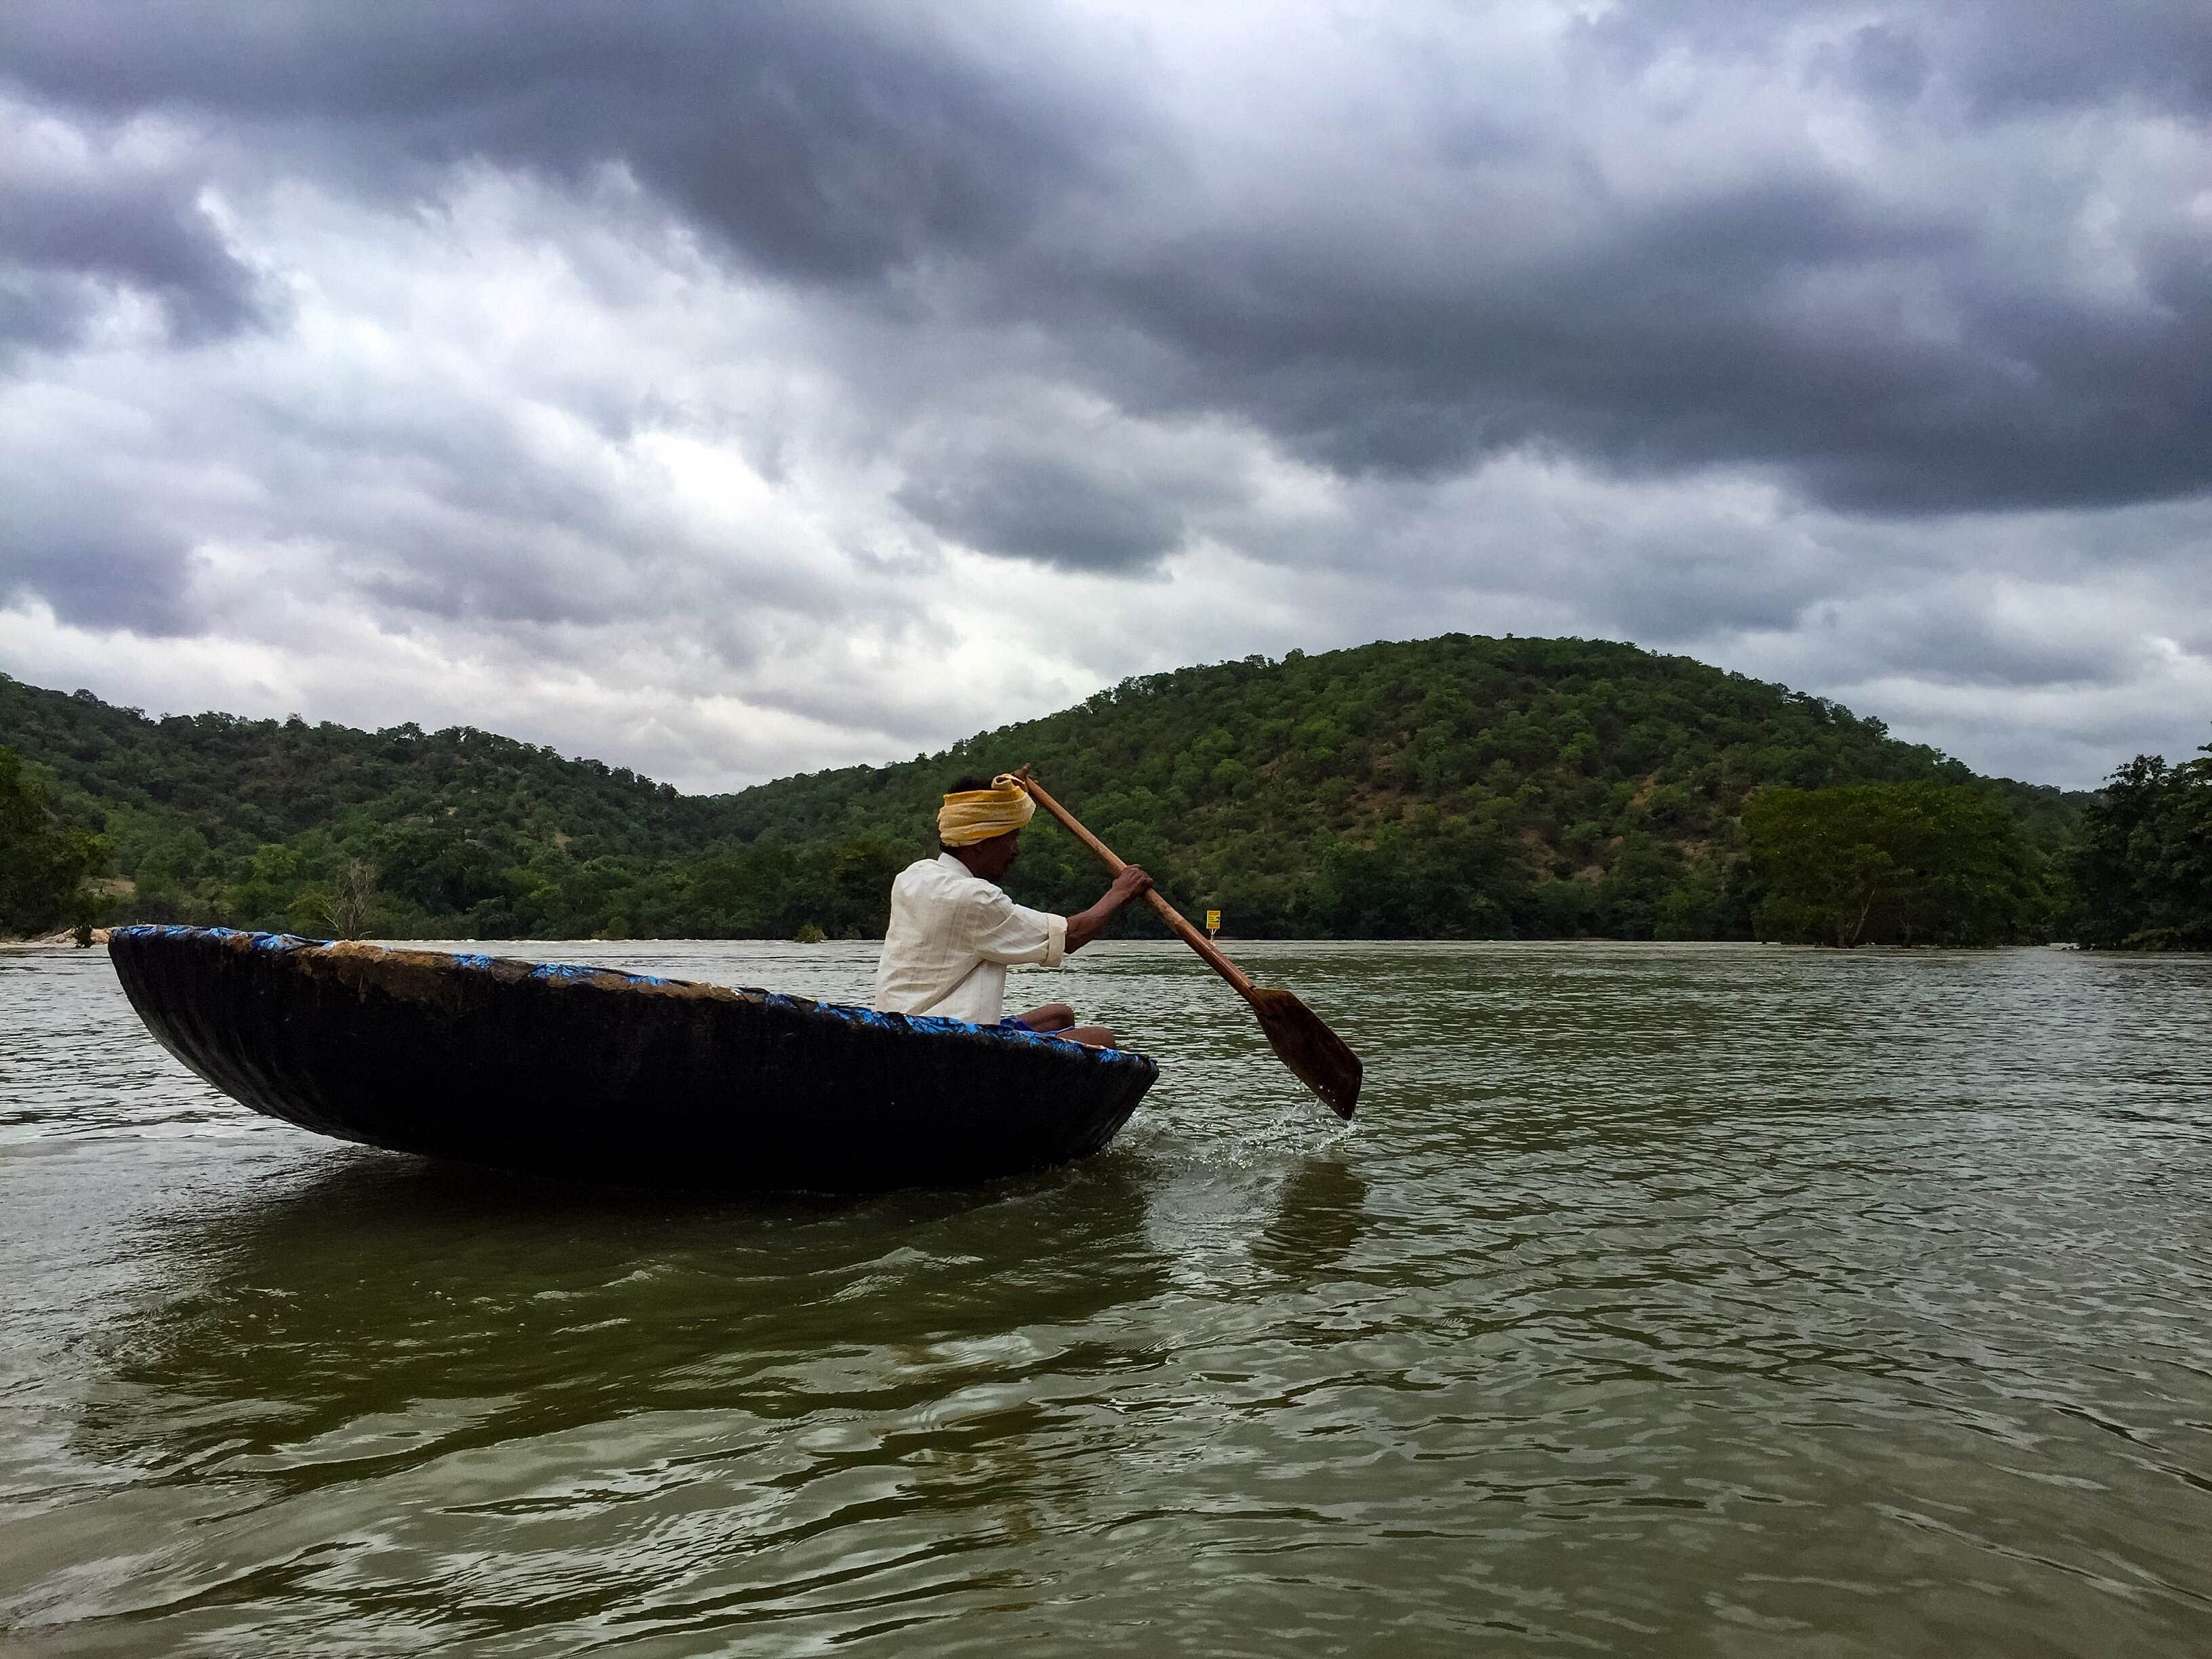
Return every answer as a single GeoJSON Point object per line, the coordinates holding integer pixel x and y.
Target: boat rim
{"type": "Point", "coordinates": [476, 963]}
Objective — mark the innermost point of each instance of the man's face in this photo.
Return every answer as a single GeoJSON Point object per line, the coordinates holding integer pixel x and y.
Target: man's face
{"type": "Point", "coordinates": [994, 858]}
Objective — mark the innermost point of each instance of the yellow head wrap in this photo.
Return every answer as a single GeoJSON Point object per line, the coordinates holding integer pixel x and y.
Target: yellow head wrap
{"type": "Point", "coordinates": [974, 815]}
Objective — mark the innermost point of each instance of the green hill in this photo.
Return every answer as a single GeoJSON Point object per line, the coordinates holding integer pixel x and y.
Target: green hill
{"type": "Point", "coordinates": [1453, 786]}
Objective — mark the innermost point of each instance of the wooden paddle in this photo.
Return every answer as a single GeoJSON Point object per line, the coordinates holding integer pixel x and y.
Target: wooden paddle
{"type": "Point", "coordinates": [1316, 1054]}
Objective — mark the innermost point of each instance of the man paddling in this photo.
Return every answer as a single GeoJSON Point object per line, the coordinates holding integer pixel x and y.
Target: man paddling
{"type": "Point", "coordinates": [953, 930]}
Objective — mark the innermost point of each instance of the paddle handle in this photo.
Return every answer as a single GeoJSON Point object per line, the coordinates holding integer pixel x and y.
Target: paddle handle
{"type": "Point", "coordinates": [1166, 912]}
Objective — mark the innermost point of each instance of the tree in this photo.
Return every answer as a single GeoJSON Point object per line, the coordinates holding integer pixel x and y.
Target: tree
{"type": "Point", "coordinates": [351, 895]}
{"type": "Point", "coordinates": [858, 882]}
{"type": "Point", "coordinates": [1905, 863]}
{"type": "Point", "coordinates": [42, 866]}
{"type": "Point", "coordinates": [2142, 869]}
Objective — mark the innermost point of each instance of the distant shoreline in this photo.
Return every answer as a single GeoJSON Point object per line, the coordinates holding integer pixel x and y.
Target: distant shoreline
{"type": "Point", "coordinates": [63, 942]}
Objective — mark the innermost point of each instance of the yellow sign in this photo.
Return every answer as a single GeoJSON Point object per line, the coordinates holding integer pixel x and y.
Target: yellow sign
{"type": "Point", "coordinates": [1213, 921]}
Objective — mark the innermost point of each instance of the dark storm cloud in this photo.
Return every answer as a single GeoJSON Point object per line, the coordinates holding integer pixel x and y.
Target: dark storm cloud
{"type": "Point", "coordinates": [1885, 344]}
{"type": "Point", "coordinates": [1887, 357]}
{"type": "Point", "coordinates": [1685, 344]}
{"type": "Point", "coordinates": [1884, 63]}
{"type": "Point", "coordinates": [823, 141]}
{"type": "Point", "coordinates": [1050, 511]}
{"type": "Point", "coordinates": [43, 308]}
{"type": "Point", "coordinates": [72, 227]}
{"type": "Point", "coordinates": [96, 562]}
{"type": "Point", "coordinates": [1951, 644]}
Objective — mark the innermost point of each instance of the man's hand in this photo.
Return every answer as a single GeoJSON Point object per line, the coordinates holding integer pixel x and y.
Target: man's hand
{"type": "Point", "coordinates": [1086, 925]}
{"type": "Point", "coordinates": [1132, 882]}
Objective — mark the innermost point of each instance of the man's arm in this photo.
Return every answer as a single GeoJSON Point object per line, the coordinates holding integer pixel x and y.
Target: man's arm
{"type": "Point", "coordinates": [1086, 925]}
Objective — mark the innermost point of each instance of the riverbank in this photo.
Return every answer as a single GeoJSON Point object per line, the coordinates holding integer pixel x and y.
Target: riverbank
{"type": "Point", "coordinates": [60, 939]}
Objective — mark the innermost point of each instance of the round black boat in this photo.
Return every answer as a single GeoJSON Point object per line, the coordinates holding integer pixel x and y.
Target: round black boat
{"type": "Point", "coordinates": [613, 1075]}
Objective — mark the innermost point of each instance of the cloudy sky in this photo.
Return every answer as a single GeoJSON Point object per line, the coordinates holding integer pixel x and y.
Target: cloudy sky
{"type": "Point", "coordinates": [733, 390]}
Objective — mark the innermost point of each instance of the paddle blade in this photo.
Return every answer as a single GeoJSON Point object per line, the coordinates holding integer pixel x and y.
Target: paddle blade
{"type": "Point", "coordinates": [1316, 1054]}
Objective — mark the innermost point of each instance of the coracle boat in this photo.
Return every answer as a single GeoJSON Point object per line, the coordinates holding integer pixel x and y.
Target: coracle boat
{"type": "Point", "coordinates": [610, 1075]}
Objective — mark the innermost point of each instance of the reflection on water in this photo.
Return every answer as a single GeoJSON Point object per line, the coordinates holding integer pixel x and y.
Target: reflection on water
{"type": "Point", "coordinates": [1317, 1217]}
{"type": "Point", "coordinates": [378, 1281]}
{"type": "Point", "coordinates": [1665, 1300]}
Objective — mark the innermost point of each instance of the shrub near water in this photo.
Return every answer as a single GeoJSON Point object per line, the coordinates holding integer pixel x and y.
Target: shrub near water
{"type": "Point", "coordinates": [1891, 864]}
{"type": "Point", "coordinates": [2142, 867]}
{"type": "Point", "coordinates": [42, 864]}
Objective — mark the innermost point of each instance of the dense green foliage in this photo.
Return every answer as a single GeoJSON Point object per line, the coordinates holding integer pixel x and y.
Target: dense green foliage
{"type": "Point", "coordinates": [213, 818]}
{"type": "Point", "coordinates": [1892, 863]}
{"type": "Point", "coordinates": [2141, 868]}
{"type": "Point", "coordinates": [1449, 788]}
{"type": "Point", "coordinates": [43, 864]}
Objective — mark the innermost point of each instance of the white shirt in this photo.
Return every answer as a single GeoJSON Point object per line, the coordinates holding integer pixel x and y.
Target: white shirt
{"type": "Point", "coordinates": [950, 937]}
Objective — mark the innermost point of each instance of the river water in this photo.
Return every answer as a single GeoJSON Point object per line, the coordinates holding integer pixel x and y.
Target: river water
{"type": "Point", "coordinates": [1674, 1300]}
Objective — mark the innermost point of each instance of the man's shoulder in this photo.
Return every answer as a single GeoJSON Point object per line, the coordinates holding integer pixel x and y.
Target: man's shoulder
{"type": "Point", "coordinates": [948, 878]}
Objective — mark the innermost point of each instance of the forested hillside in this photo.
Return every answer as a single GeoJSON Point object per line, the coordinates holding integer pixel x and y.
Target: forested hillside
{"type": "Point", "coordinates": [1454, 786]}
